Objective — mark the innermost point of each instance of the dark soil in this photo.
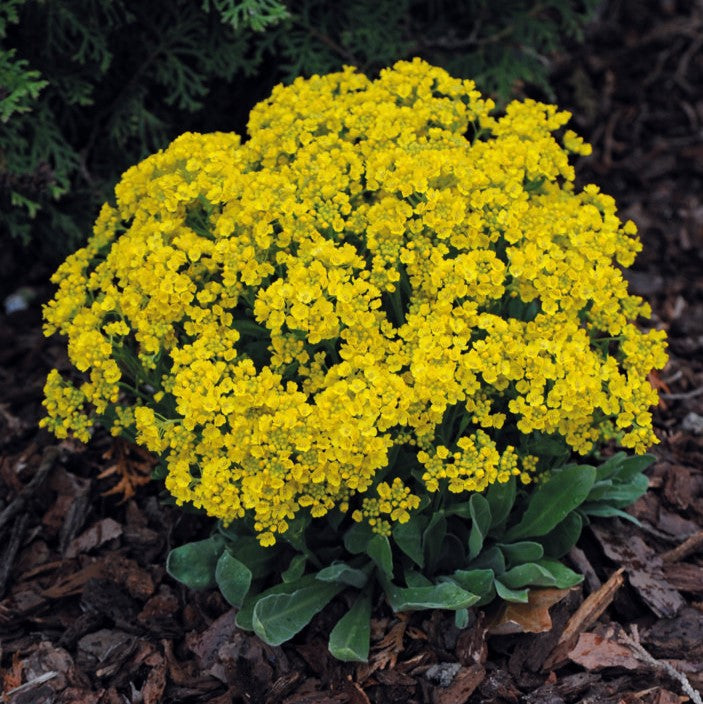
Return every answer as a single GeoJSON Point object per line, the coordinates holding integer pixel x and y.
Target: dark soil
{"type": "Point", "coordinates": [88, 615]}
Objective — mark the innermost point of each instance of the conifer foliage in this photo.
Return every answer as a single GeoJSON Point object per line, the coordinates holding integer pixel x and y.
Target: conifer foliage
{"type": "Point", "coordinates": [88, 87]}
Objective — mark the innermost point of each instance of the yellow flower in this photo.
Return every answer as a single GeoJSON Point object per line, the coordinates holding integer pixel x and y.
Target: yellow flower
{"type": "Point", "coordinates": [381, 263]}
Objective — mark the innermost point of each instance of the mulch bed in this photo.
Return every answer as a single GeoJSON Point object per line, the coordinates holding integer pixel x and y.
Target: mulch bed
{"type": "Point", "coordinates": [88, 615]}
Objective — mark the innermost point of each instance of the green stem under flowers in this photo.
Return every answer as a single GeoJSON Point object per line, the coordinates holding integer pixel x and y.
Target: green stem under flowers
{"type": "Point", "coordinates": [397, 306]}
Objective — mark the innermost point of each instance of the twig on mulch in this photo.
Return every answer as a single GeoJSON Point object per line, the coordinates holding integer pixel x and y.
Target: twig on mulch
{"type": "Point", "coordinates": [45, 677]}
{"type": "Point", "coordinates": [633, 641]}
{"type": "Point", "coordinates": [689, 546]}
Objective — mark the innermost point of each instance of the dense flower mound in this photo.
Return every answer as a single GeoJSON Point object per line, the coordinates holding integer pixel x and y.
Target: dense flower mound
{"type": "Point", "coordinates": [382, 265]}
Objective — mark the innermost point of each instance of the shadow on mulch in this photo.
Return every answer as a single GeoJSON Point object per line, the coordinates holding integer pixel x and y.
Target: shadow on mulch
{"type": "Point", "coordinates": [88, 615]}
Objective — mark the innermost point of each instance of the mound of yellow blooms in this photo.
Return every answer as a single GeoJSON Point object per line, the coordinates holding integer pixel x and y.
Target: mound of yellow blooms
{"type": "Point", "coordinates": [381, 263]}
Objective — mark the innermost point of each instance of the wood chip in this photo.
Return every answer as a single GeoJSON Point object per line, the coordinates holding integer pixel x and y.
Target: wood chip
{"type": "Point", "coordinates": [679, 486]}
{"type": "Point", "coordinates": [685, 577]}
{"type": "Point", "coordinates": [643, 567]}
{"type": "Point", "coordinates": [74, 583]}
{"type": "Point", "coordinates": [99, 533]}
{"type": "Point", "coordinates": [464, 684]}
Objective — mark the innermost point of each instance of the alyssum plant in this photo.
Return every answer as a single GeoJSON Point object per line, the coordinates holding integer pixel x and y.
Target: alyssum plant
{"type": "Point", "coordinates": [366, 339]}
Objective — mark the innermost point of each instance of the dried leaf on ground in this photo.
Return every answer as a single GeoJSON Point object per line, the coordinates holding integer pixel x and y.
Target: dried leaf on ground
{"type": "Point", "coordinates": [532, 617]}
{"type": "Point", "coordinates": [132, 464]}
{"type": "Point", "coordinates": [610, 647]}
{"type": "Point", "coordinates": [385, 653]}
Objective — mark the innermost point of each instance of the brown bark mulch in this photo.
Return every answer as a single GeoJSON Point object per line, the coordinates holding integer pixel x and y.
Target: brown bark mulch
{"type": "Point", "coordinates": [88, 614]}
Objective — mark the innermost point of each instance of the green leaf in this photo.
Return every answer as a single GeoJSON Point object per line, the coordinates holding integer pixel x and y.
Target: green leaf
{"type": "Point", "coordinates": [475, 581]}
{"type": "Point", "coordinates": [408, 537]}
{"type": "Point", "coordinates": [461, 619]}
{"type": "Point", "coordinates": [519, 596]}
{"type": "Point", "coordinates": [432, 540]}
{"type": "Point", "coordinates": [259, 559]}
{"type": "Point", "coordinates": [529, 574]}
{"type": "Point", "coordinates": [445, 595]}
{"type": "Point", "coordinates": [524, 551]}
{"type": "Point", "coordinates": [565, 577]}
{"type": "Point", "coordinates": [461, 509]}
{"type": "Point", "coordinates": [604, 511]}
{"type": "Point", "coordinates": [231, 531]}
{"type": "Point", "coordinates": [194, 564]}
{"type": "Point", "coordinates": [610, 467]}
{"type": "Point", "coordinates": [295, 534]}
{"type": "Point", "coordinates": [453, 554]}
{"type": "Point", "coordinates": [634, 465]}
{"type": "Point", "coordinates": [491, 559]}
{"type": "Point", "coordinates": [295, 570]}
{"type": "Point", "coordinates": [416, 579]}
{"type": "Point", "coordinates": [501, 498]}
{"type": "Point", "coordinates": [327, 554]}
{"type": "Point", "coordinates": [480, 511]}
{"type": "Point", "coordinates": [357, 538]}
{"type": "Point", "coordinates": [599, 489]}
{"type": "Point", "coordinates": [350, 638]}
{"type": "Point", "coordinates": [278, 617]}
{"type": "Point", "coordinates": [550, 446]}
{"type": "Point", "coordinates": [553, 500]}
{"type": "Point", "coordinates": [335, 518]}
{"type": "Point", "coordinates": [342, 573]}
{"type": "Point", "coordinates": [233, 578]}
{"type": "Point", "coordinates": [245, 615]}
{"type": "Point", "coordinates": [248, 327]}
{"type": "Point", "coordinates": [621, 495]}
{"type": "Point", "coordinates": [379, 550]}
{"type": "Point", "coordinates": [564, 536]}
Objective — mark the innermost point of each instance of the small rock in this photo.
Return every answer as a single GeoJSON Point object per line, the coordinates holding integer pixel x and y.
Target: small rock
{"type": "Point", "coordinates": [693, 423]}
{"type": "Point", "coordinates": [443, 673]}
{"type": "Point", "coordinates": [19, 300]}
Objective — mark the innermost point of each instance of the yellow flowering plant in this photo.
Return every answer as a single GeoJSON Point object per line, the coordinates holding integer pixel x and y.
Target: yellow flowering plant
{"type": "Point", "coordinates": [367, 339]}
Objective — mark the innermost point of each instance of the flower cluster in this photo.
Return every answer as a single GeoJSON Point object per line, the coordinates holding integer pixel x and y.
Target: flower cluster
{"type": "Point", "coordinates": [382, 264]}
